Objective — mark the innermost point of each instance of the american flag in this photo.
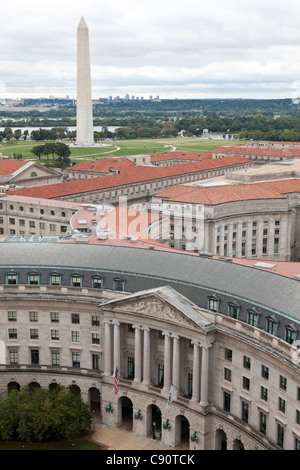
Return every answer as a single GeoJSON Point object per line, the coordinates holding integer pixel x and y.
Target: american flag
{"type": "Point", "coordinates": [117, 376]}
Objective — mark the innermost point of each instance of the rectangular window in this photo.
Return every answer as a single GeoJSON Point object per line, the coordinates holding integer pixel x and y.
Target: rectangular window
{"type": "Point", "coordinates": [265, 372]}
{"type": "Point", "coordinates": [271, 326]}
{"type": "Point", "coordinates": [95, 320]}
{"type": "Point", "coordinates": [12, 333]}
{"type": "Point", "coordinates": [75, 359]}
{"type": "Point", "coordinates": [12, 221]}
{"type": "Point", "coordinates": [54, 317]}
{"type": "Point", "coordinates": [253, 246]}
{"type": "Point", "coordinates": [119, 284]}
{"type": "Point", "coordinates": [55, 358]}
{"type": "Point", "coordinates": [213, 305]}
{"type": "Point", "coordinates": [252, 318]}
{"type": "Point", "coordinates": [11, 279]}
{"type": "Point", "coordinates": [262, 423]}
{"type": "Point", "coordinates": [233, 311]}
{"type": "Point", "coordinates": [247, 362]}
{"type": "Point", "coordinates": [264, 393]}
{"type": "Point", "coordinates": [246, 383]}
{"type": "Point", "coordinates": [282, 382]}
{"type": "Point", "coordinates": [95, 338]}
{"type": "Point", "coordinates": [34, 333]}
{"type": "Point", "coordinates": [52, 228]}
{"type": "Point", "coordinates": [31, 224]}
{"type": "Point", "coordinates": [55, 279]}
{"type": "Point", "coordinates": [22, 223]}
{"type": "Point", "coordinates": [42, 226]}
{"type": "Point", "coordinates": [290, 335]}
{"type": "Point", "coordinates": [97, 283]}
{"type": "Point", "coordinates": [54, 335]}
{"type": "Point", "coordinates": [227, 374]}
{"type": "Point", "coordinates": [96, 362]}
{"type": "Point", "coordinates": [276, 245]}
{"type": "Point", "coordinates": [243, 248]}
{"type": "Point", "coordinates": [281, 405]}
{"type": "Point", "coordinates": [75, 318]}
{"type": "Point", "coordinates": [160, 375]}
{"type": "Point", "coordinates": [33, 279]}
{"type": "Point", "coordinates": [12, 316]}
{"type": "Point", "coordinates": [131, 367]}
{"type": "Point", "coordinates": [76, 281]}
{"type": "Point", "coordinates": [33, 316]}
{"type": "Point", "coordinates": [245, 411]}
{"type": "Point", "coordinates": [280, 434]}
{"type": "Point", "coordinates": [227, 399]}
{"type": "Point", "coordinates": [75, 336]}
{"type": "Point", "coordinates": [35, 356]}
{"type": "Point", "coordinates": [228, 354]}
{"type": "Point", "coordinates": [13, 356]}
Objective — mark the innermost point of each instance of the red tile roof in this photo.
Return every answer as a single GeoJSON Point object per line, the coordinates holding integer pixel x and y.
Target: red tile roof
{"type": "Point", "coordinates": [101, 166]}
{"type": "Point", "coordinates": [190, 156]}
{"type": "Point", "coordinates": [8, 167]}
{"type": "Point", "coordinates": [237, 150]}
{"type": "Point", "coordinates": [213, 195]}
{"type": "Point", "coordinates": [130, 175]}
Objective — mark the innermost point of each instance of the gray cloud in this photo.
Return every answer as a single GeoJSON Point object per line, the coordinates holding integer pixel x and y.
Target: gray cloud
{"type": "Point", "coordinates": [174, 49]}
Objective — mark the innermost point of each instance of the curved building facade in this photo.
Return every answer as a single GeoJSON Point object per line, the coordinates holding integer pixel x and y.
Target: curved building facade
{"type": "Point", "coordinates": [220, 336]}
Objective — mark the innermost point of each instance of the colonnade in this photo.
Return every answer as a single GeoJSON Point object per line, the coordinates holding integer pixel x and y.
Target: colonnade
{"type": "Point", "coordinates": [172, 359]}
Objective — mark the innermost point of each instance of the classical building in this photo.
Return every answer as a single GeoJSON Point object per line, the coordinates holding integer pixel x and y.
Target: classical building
{"type": "Point", "coordinates": [256, 220]}
{"type": "Point", "coordinates": [202, 327]}
{"type": "Point", "coordinates": [26, 173]}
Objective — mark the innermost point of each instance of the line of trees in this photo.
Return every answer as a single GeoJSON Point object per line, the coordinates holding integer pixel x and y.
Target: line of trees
{"type": "Point", "coordinates": [58, 149]}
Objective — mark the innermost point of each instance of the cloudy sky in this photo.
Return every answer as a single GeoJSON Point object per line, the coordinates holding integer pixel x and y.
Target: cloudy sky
{"type": "Point", "coordinates": [174, 49]}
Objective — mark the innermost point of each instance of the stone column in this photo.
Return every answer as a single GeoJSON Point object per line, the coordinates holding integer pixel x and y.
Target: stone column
{"type": "Point", "coordinates": [147, 357]}
{"type": "Point", "coordinates": [117, 346]}
{"type": "Point", "coordinates": [196, 373]}
{"type": "Point", "coordinates": [107, 346]}
{"type": "Point", "coordinates": [176, 362]}
{"type": "Point", "coordinates": [204, 374]}
{"type": "Point", "coordinates": [167, 362]}
{"type": "Point", "coordinates": [138, 354]}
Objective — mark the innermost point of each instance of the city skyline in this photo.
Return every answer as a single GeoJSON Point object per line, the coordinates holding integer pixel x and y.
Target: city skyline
{"type": "Point", "coordinates": [214, 50]}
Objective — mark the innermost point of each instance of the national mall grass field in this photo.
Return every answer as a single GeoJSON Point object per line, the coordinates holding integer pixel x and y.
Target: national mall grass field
{"type": "Point", "coordinates": [120, 148]}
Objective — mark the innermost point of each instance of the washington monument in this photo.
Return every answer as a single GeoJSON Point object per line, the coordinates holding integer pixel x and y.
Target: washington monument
{"type": "Point", "coordinates": [85, 135]}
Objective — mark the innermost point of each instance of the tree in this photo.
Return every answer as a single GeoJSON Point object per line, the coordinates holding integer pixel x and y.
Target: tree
{"type": "Point", "coordinates": [38, 150]}
{"type": "Point", "coordinates": [42, 415]}
{"type": "Point", "coordinates": [62, 150]}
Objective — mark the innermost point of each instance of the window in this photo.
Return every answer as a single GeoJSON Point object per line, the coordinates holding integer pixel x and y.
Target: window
{"type": "Point", "coordinates": [160, 375]}
{"type": "Point", "coordinates": [290, 334]}
{"type": "Point", "coordinates": [246, 383]}
{"type": "Point", "coordinates": [252, 317]}
{"type": "Point", "coordinates": [265, 372]}
{"type": "Point", "coordinates": [272, 325]}
{"type": "Point", "coordinates": [276, 245]}
{"type": "Point", "coordinates": [95, 338]}
{"type": "Point", "coordinates": [245, 411]}
{"type": "Point", "coordinates": [22, 223]}
{"type": "Point", "coordinates": [12, 221]}
{"type": "Point", "coordinates": [227, 399]}
{"type": "Point", "coordinates": [33, 316]}
{"type": "Point", "coordinates": [243, 248]}
{"type": "Point", "coordinates": [297, 444]}
{"type": "Point", "coordinates": [95, 320]}
{"type": "Point", "coordinates": [55, 279]}
{"type": "Point", "coordinates": [282, 382]}
{"type": "Point", "coordinates": [34, 333]}
{"type": "Point", "coordinates": [52, 228]}
{"type": "Point", "coordinates": [297, 416]}
{"type": "Point", "coordinates": [54, 335]}
{"type": "Point", "coordinates": [262, 423]}
{"type": "Point", "coordinates": [13, 356]}
{"type": "Point", "coordinates": [190, 385]}
{"type": "Point", "coordinates": [281, 405]}
{"type": "Point", "coordinates": [277, 222]}
{"type": "Point", "coordinates": [35, 356]}
{"type": "Point", "coordinates": [97, 282]}
{"type": "Point", "coordinates": [253, 249]}
{"type": "Point", "coordinates": [227, 374]}
{"type": "Point", "coordinates": [55, 358]}
{"type": "Point", "coordinates": [228, 354]}
{"type": "Point", "coordinates": [95, 361]}
{"type": "Point", "coordinates": [63, 229]}
{"type": "Point", "coordinates": [119, 284]}
{"type": "Point", "coordinates": [52, 212]}
{"type": "Point", "coordinates": [280, 434]}
{"type": "Point", "coordinates": [264, 393]}
{"type": "Point", "coordinates": [12, 333]}
{"type": "Point", "coordinates": [75, 336]}
{"type": "Point", "coordinates": [76, 281]}
{"type": "Point", "coordinates": [11, 278]}
{"type": "Point", "coordinates": [12, 316]}
{"type": "Point", "coordinates": [31, 224]}
{"type": "Point", "coordinates": [33, 278]}
{"type": "Point", "coordinates": [42, 226]}
{"type": "Point", "coordinates": [75, 359]}
{"type": "Point", "coordinates": [247, 362]}
{"type": "Point", "coordinates": [54, 317]}
{"type": "Point", "coordinates": [75, 318]}
{"type": "Point", "coordinates": [131, 367]}
{"type": "Point", "coordinates": [233, 310]}
{"type": "Point", "coordinates": [213, 304]}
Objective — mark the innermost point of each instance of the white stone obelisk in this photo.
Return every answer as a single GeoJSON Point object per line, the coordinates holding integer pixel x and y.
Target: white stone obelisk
{"type": "Point", "coordinates": [85, 134]}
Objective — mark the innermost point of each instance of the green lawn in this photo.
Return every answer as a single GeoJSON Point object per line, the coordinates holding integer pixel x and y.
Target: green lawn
{"type": "Point", "coordinates": [121, 148]}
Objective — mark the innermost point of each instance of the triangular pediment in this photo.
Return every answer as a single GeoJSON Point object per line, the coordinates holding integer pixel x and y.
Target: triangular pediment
{"type": "Point", "coordinates": [164, 304]}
